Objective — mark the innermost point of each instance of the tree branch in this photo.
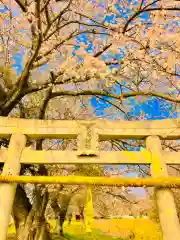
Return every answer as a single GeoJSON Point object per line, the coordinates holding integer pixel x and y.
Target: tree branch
{"type": "Point", "coordinates": [45, 5]}
{"type": "Point", "coordinates": [21, 5]}
{"type": "Point", "coordinates": [115, 96]}
{"type": "Point", "coordinates": [58, 16]}
{"type": "Point", "coordinates": [146, 9]}
{"type": "Point", "coordinates": [106, 47]}
{"type": "Point", "coordinates": [121, 197]}
{"type": "Point", "coordinates": [16, 92]}
{"type": "Point", "coordinates": [72, 35]}
{"type": "Point", "coordinates": [67, 23]}
{"type": "Point", "coordinates": [113, 104]}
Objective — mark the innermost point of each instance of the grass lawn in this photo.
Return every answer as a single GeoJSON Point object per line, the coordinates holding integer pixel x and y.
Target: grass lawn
{"type": "Point", "coordinates": [109, 229]}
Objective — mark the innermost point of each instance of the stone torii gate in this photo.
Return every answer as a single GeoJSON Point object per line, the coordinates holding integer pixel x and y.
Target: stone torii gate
{"type": "Point", "coordinates": [88, 134]}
